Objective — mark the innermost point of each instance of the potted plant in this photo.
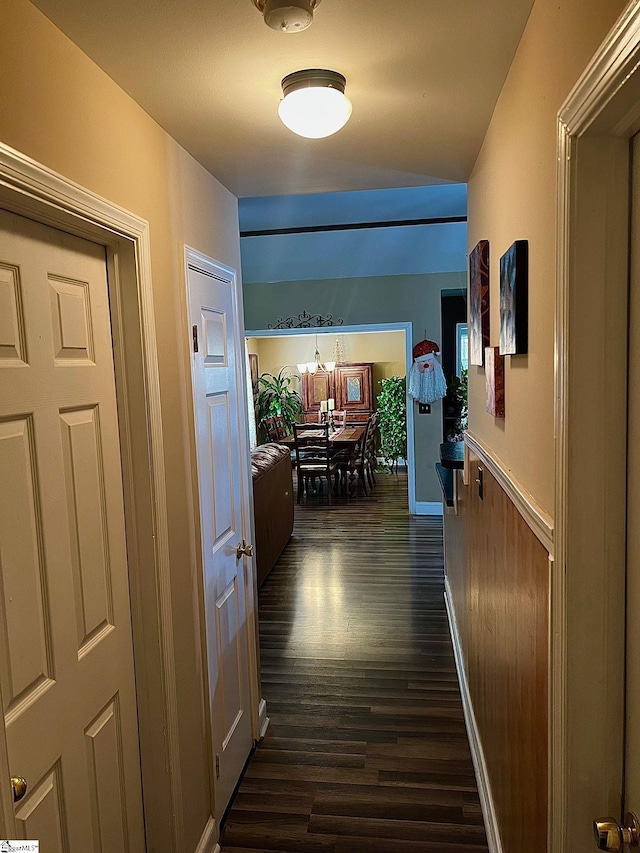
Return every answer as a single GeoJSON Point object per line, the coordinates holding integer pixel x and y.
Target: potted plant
{"type": "Point", "coordinates": [456, 407]}
{"type": "Point", "coordinates": [392, 408]}
{"type": "Point", "coordinates": [277, 397]}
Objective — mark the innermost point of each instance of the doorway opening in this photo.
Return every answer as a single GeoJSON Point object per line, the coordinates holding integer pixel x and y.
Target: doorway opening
{"type": "Point", "coordinates": [387, 346]}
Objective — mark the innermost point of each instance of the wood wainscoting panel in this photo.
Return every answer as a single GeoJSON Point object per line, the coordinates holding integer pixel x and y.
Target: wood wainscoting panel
{"type": "Point", "coordinates": [497, 572]}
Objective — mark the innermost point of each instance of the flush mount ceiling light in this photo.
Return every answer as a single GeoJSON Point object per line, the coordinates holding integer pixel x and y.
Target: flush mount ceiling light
{"type": "Point", "coordinates": [314, 103]}
{"type": "Point", "coordinates": [288, 16]}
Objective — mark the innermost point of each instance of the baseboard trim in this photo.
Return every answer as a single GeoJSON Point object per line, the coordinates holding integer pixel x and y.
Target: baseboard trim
{"type": "Point", "coordinates": [538, 520]}
{"type": "Point", "coordinates": [428, 508]}
{"type": "Point", "coordinates": [482, 777]}
{"type": "Point", "coordinates": [263, 720]}
{"type": "Point", "coordinates": [208, 840]}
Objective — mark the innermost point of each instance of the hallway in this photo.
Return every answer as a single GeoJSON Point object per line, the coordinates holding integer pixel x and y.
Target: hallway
{"type": "Point", "coordinates": [367, 748]}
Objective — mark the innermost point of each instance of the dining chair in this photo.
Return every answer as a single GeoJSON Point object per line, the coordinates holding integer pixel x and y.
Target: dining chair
{"type": "Point", "coordinates": [370, 450]}
{"type": "Point", "coordinates": [339, 418]}
{"type": "Point", "coordinates": [313, 455]}
{"type": "Point", "coordinates": [281, 429]}
{"type": "Point", "coordinates": [271, 429]}
{"type": "Point", "coordinates": [358, 456]}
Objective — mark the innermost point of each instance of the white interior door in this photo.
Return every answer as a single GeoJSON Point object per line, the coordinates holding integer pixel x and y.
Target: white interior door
{"type": "Point", "coordinates": [66, 665]}
{"type": "Point", "coordinates": [223, 514]}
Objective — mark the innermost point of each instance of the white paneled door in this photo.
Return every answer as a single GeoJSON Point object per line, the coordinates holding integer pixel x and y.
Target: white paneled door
{"type": "Point", "coordinates": [216, 361]}
{"type": "Point", "coordinates": [66, 665]}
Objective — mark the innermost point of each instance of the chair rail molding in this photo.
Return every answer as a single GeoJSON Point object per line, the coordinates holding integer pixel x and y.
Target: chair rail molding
{"type": "Point", "coordinates": [538, 520]}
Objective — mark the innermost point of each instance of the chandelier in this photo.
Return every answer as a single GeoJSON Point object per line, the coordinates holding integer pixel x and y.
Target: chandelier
{"type": "Point", "coordinates": [315, 365]}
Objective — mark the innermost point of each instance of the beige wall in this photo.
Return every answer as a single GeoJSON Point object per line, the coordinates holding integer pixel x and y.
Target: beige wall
{"type": "Point", "coordinates": [512, 195]}
{"type": "Point", "coordinates": [60, 109]}
{"type": "Point", "coordinates": [386, 350]}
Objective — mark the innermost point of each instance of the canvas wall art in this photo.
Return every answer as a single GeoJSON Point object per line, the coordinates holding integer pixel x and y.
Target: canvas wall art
{"type": "Point", "coordinates": [494, 381]}
{"type": "Point", "coordinates": [478, 302]}
{"type": "Point", "coordinates": [253, 366]}
{"type": "Point", "coordinates": [514, 299]}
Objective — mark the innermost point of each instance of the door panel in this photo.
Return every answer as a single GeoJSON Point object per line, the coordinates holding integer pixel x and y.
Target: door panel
{"type": "Point", "coordinates": [86, 510]}
{"type": "Point", "coordinates": [12, 333]}
{"type": "Point", "coordinates": [71, 320]}
{"type": "Point", "coordinates": [104, 755]}
{"type": "Point", "coordinates": [64, 595]}
{"type": "Point", "coordinates": [354, 388]}
{"type": "Point", "coordinates": [42, 815]}
{"type": "Point", "coordinates": [223, 508]}
{"type": "Point", "coordinates": [221, 476]}
{"type": "Point", "coordinates": [27, 666]}
{"type": "Point", "coordinates": [315, 388]}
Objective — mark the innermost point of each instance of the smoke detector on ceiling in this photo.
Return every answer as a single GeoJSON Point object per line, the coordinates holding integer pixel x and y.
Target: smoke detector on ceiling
{"type": "Point", "coordinates": [288, 16]}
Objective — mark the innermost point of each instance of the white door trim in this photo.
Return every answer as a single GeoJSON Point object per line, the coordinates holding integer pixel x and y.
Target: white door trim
{"type": "Point", "coordinates": [31, 189]}
{"type": "Point", "coordinates": [586, 677]}
{"type": "Point", "coordinates": [415, 508]}
{"type": "Point", "coordinates": [257, 704]}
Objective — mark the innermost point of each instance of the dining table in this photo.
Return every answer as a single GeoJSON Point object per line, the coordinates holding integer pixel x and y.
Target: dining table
{"type": "Point", "coordinates": [347, 438]}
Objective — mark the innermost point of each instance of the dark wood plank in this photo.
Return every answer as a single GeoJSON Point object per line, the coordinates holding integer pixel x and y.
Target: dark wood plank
{"type": "Point", "coordinates": [367, 748]}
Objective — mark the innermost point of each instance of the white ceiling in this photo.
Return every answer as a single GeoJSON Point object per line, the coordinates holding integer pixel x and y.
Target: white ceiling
{"type": "Point", "coordinates": [423, 77]}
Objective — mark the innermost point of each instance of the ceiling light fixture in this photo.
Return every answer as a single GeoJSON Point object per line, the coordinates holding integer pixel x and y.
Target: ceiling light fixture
{"type": "Point", "coordinates": [314, 104]}
{"type": "Point", "coordinates": [287, 16]}
{"type": "Point", "coordinates": [316, 365]}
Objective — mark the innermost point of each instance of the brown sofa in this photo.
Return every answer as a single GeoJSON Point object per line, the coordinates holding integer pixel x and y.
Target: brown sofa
{"type": "Point", "coordinates": [273, 504]}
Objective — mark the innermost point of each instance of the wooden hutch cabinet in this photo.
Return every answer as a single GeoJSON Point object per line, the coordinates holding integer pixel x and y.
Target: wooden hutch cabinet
{"type": "Point", "coordinates": [315, 388]}
{"type": "Point", "coordinates": [350, 385]}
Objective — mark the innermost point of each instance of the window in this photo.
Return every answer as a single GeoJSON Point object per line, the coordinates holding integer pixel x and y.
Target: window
{"type": "Point", "coordinates": [462, 348]}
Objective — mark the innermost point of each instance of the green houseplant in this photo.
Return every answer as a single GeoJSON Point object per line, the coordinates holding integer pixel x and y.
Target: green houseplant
{"type": "Point", "coordinates": [277, 397]}
{"type": "Point", "coordinates": [456, 407]}
{"type": "Point", "coordinates": [392, 408]}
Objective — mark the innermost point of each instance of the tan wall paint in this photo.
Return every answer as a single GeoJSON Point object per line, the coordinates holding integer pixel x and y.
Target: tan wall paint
{"type": "Point", "coordinates": [512, 195]}
{"type": "Point", "coordinates": [385, 349]}
{"type": "Point", "coordinates": [59, 108]}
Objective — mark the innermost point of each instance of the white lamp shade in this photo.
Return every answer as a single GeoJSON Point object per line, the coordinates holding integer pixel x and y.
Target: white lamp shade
{"type": "Point", "coordinates": [315, 112]}
{"type": "Point", "coordinates": [314, 103]}
{"type": "Point", "coordinates": [312, 366]}
{"type": "Point", "coordinates": [329, 366]}
{"type": "Point", "coordinates": [302, 368]}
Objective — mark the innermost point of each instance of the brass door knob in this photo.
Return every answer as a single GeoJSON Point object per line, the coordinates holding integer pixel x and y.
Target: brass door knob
{"type": "Point", "coordinates": [19, 787]}
{"type": "Point", "coordinates": [243, 550]}
{"type": "Point", "coordinates": [611, 836]}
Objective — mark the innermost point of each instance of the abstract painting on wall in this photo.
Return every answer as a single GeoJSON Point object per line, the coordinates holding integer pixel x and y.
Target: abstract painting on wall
{"type": "Point", "coordinates": [514, 299]}
{"type": "Point", "coordinates": [494, 381]}
{"type": "Point", "coordinates": [253, 367]}
{"type": "Point", "coordinates": [478, 302]}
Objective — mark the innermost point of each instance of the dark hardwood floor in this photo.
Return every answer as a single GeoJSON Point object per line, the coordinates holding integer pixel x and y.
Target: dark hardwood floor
{"type": "Point", "coordinates": [367, 748]}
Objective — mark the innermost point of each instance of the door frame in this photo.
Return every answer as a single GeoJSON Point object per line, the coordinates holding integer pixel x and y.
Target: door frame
{"type": "Point", "coordinates": [258, 707]}
{"type": "Point", "coordinates": [587, 583]}
{"type": "Point", "coordinates": [415, 507]}
{"type": "Point", "coordinates": [29, 189]}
